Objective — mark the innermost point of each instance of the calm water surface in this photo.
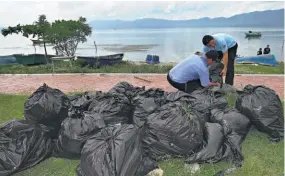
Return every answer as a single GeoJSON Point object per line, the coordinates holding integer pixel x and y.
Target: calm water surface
{"type": "Point", "coordinates": [171, 45]}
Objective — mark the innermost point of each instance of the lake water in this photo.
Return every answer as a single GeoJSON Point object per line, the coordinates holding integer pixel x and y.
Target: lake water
{"type": "Point", "coordinates": [171, 45]}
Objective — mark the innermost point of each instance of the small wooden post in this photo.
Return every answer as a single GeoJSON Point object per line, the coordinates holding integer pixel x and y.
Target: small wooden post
{"type": "Point", "coordinates": [97, 63]}
{"type": "Point", "coordinates": [282, 52]}
{"type": "Point", "coordinates": [95, 48]}
{"type": "Point", "coordinates": [52, 66]}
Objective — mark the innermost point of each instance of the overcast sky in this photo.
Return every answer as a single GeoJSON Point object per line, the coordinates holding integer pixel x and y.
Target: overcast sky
{"type": "Point", "coordinates": [12, 13]}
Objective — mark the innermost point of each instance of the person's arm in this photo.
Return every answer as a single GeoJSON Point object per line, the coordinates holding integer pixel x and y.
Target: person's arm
{"type": "Point", "coordinates": [213, 84]}
{"type": "Point", "coordinates": [225, 56]}
{"type": "Point", "coordinates": [205, 79]}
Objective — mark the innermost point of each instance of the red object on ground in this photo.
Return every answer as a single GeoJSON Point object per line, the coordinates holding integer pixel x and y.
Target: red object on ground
{"type": "Point", "coordinates": [27, 84]}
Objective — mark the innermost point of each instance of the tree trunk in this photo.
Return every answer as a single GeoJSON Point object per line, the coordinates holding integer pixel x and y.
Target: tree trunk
{"type": "Point", "coordinates": [45, 52]}
{"type": "Point", "coordinates": [45, 48]}
{"type": "Point", "coordinates": [35, 48]}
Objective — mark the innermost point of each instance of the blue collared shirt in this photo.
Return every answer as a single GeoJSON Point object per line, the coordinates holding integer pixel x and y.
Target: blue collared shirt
{"type": "Point", "coordinates": [193, 67]}
{"type": "Point", "coordinates": [223, 43]}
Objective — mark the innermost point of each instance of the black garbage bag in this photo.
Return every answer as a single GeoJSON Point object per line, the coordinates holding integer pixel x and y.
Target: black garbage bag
{"type": "Point", "coordinates": [215, 70]}
{"type": "Point", "coordinates": [202, 101]}
{"type": "Point", "coordinates": [73, 134]}
{"type": "Point", "coordinates": [223, 138]}
{"type": "Point", "coordinates": [47, 106]}
{"type": "Point", "coordinates": [113, 109]}
{"type": "Point", "coordinates": [205, 99]}
{"type": "Point", "coordinates": [126, 89]}
{"type": "Point", "coordinates": [115, 151]}
{"type": "Point", "coordinates": [264, 109]}
{"type": "Point", "coordinates": [212, 150]}
{"type": "Point", "coordinates": [177, 96]}
{"type": "Point", "coordinates": [230, 93]}
{"type": "Point", "coordinates": [146, 102]}
{"type": "Point", "coordinates": [172, 130]}
{"type": "Point", "coordinates": [79, 171]}
{"type": "Point", "coordinates": [82, 101]}
{"type": "Point", "coordinates": [147, 165]}
{"type": "Point", "coordinates": [22, 145]}
{"type": "Point", "coordinates": [235, 127]}
{"type": "Point", "coordinates": [202, 112]}
{"type": "Point", "coordinates": [232, 121]}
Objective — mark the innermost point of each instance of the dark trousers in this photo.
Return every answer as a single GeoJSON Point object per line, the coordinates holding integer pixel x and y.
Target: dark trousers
{"type": "Point", "coordinates": [232, 52]}
{"type": "Point", "coordinates": [188, 87]}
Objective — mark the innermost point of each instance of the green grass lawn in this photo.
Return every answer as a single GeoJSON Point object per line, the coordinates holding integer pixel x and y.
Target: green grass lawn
{"type": "Point", "coordinates": [124, 67]}
{"type": "Point", "coordinates": [262, 157]}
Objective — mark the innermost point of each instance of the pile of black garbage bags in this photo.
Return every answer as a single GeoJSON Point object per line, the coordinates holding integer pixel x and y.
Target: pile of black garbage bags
{"type": "Point", "coordinates": [127, 130]}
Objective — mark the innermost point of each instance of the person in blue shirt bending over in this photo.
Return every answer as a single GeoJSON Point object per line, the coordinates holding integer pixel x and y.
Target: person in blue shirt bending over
{"type": "Point", "coordinates": [227, 46]}
{"type": "Point", "coordinates": [192, 73]}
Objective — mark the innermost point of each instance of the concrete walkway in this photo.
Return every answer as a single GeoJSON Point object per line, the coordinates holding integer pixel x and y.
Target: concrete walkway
{"type": "Point", "coordinates": [28, 83]}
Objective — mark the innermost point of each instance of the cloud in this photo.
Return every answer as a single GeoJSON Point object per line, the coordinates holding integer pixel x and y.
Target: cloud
{"type": "Point", "coordinates": [169, 8]}
{"type": "Point", "coordinates": [12, 12]}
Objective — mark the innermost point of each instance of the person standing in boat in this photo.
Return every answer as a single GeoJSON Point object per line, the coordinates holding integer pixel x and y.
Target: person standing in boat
{"type": "Point", "coordinates": [266, 50]}
{"type": "Point", "coordinates": [192, 73]}
{"type": "Point", "coordinates": [227, 46]}
{"type": "Point", "coordinates": [259, 52]}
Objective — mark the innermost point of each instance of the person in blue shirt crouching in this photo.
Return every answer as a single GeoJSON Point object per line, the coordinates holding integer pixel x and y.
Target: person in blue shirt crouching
{"type": "Point", "coordinates": [192, 73]}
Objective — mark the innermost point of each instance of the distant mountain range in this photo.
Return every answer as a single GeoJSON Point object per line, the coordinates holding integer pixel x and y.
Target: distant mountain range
{"type": "Point", "coordinates": [269, 18]}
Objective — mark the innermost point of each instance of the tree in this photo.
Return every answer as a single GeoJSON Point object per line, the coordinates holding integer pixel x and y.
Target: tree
{"type": "Point", "coordinates": [67, 34]}
{"type": "Point", "coordinates": [38, 29]}
{"type": "Point", "coordinates": [42, 28]}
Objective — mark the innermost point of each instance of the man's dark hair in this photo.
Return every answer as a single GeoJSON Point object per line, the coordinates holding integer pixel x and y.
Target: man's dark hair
{"type": "Point", "coordinates": [206, 39]}
{"type": "Point", "coordinates": [212, 54]}
{"type": "Point", "coordinates": [197, 53]}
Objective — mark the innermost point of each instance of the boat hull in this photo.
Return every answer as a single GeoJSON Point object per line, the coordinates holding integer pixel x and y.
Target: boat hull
{"type": "Point", "coordinates": [10, 59]}
{"type": "Point", "coordinates": [32, 59]}
{"type": "Point", "coordinates": [268, 60]}
{"type": "Point", "coordinates": [101, 61]}
{"type": "Point", "coordinates": [257, 34]}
